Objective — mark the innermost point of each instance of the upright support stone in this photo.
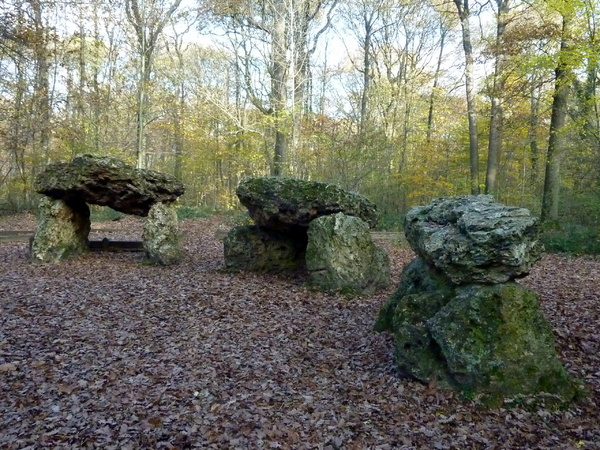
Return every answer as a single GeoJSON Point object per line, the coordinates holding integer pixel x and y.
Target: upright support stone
{"type": "Point", "coordinates": [254, 249]}
{"type": "Point", "coordinates": [161, 235]}
{"type": "Point", "coordinates": [341, 256]}
{"type": "Point", "coordinates": [62, 230]}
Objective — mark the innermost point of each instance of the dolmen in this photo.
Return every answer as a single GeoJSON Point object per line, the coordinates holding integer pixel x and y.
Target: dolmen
{"type": "Point", "coordinates": [307, 224]}
{"type": "Point", "coordinates": [459, 318]}
{"type": "Point", "coordinates": [64, 215]}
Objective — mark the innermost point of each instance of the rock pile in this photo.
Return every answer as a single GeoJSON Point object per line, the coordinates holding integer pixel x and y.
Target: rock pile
{"type": "Point", "coordinates": [458, 316]}
{"type": "Point", "coordinates": [307, 224]}
{"type": "Point", "coordinates": [67, 188]}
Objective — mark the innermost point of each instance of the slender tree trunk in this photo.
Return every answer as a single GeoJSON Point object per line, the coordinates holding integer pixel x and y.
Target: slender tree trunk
{"type": "Point", "coordinates": [364, 100]}
{"type": "Point", "coordinates": [463, 14]}
{"type": "Point", "coordinates": [41, 87]}
{"type": "Point", "coordinates": [148, 22]}
{"type": "Point", "coordinates": [557, 140]}
{"type": "Point", "coordinates": [279, 94]}
{"type": "Point", "coordinates": [533, 136]}
{"type": "Point", "coordinates": [436, 79]}
{"type": "Point", "coordinates": [496, 113]}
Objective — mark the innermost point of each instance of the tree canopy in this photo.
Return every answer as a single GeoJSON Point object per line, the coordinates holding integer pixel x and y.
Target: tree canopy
{"type": "Point", "coordinates": [367, 94]}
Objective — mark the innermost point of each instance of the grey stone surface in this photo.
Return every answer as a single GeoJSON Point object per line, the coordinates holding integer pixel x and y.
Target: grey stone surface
{"type": "Point", "coordinates": [62, 230]}
{"type": "Point", "coordinates": [474, 238]}
{"type": "Point", "coordinates": [107, 181]}
{"type": "Point", "coordinates": [341, 256]}
{"type": "Point", "coordinates": [161, 235]}
{"type": "Point", "coordinates": [288, 204]}
{"type": "Point", "coordinates": [251, 248]}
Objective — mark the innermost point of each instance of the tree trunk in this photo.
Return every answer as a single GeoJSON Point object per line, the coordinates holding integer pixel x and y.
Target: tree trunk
{"type": "Point", "coordinates": [279, 94]}
{"type": "Point", "coordinates": [41, 87]}
{"type": "Point", "coordinates": [463, 14]}
{"type": "Point", "coordinates": [436, 78]}
{"type": "Point", "coordinates": [533, 136]}
{"type": "Point", "coordinates": [496, 113]}
{"type": "Point", "coordinates": [557, 141]}
{"type": "Point", "coordinates": [148, 22]}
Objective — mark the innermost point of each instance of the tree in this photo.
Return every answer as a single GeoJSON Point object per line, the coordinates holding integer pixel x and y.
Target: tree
{"type": "Point", "coordinates": [148, 18]}
{"type": "Point", "coordinates": [496, 111]}
{"type": "Point", "coordinates": [464, 14]}
{"type": "Point", "coordinates": [274, 40]}
{"type": "Point", "coordinates": [564, 75]}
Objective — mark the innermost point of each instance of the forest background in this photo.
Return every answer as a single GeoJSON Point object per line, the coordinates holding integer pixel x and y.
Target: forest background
{"type": "Point", "coordinates": [400, 100]}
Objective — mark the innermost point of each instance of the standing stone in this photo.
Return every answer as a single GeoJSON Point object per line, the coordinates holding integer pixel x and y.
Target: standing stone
{"type": "Point", "coordinates": [161, 235]}
{"type": "Point", "coordinates": [62, 230]}
{"type": "Point", "coordinates": [341, 256]}
{"type": "Point", "coordinates": [254, 249]}
{"type": "Point", "coordinates": [458, 318]}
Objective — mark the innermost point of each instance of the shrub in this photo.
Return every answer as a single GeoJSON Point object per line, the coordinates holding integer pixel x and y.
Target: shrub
{"type": "Point", "coordinates": [574, 239]}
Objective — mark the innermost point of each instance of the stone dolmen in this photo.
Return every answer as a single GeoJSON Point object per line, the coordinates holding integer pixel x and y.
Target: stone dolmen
{"type": "Point", "coordinates": [67, 188]}
{"type": "Point", "coordinates": [459, 318]}
{"type": "Point", "coordinates": [308, 224]}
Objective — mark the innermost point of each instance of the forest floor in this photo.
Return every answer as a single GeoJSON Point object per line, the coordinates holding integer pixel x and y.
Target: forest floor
{"type": "Point", "coordinates": [103, 352]}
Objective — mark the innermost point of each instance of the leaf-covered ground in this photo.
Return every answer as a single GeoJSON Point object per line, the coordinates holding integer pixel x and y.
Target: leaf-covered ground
{"type": "Point", "coordinates": [102, 352]}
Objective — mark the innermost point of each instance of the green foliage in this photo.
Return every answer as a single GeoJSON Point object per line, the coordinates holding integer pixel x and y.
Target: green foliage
{"type": "Point", "coordinates": [104, 214]}
{"type": "Point", "coordinates": [572, 238]}
{"type": "Point", "coordinates": [390, 222]}
{"type": "Point", "coordinates": [195, 212]}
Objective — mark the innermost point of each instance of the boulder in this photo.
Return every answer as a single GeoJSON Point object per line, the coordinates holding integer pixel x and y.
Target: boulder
{"type": "Point", "coordinates": [107, 181]}
{"type": "Point", "coordinates": [421, 286]}
{"type": "Point", "coordinates": [494, 340]}
{"type": "Point", "coordinates": [341, 255]}
{"type": "Point", "coordinates": [251, 248]}
{"type": "Point", "coordinates": [161, 235]}
{"type": "Point", "coordinates": [488, 340]}
{"type": "Point", "coordinates": [62, 230]}
{"type": "Point", "coordinates": [458, 318]}
{"type": "Point", "coordinates": [474, 238]}
{"type": "Point", "coordinates": [289, 205]}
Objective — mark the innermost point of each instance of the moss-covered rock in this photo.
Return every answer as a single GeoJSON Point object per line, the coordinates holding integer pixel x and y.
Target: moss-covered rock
{"type": "Point", "coordinates": [458, 319]}
{"type": "Point", "coordinates": [107, 181]}
{"type": "Point", "coordinates": [417, 280]}
{"type": "Point", "coordinates": [488, 340]}
{"type": "Point", "coordinates": [251, 248]}
{"type": "Point", "coordinates": [161, 235]}
{"type": "Point", "coordinates": [495, 341]}
{"type": "Point", "coordinates": [287, 204]}
{"type": "Point", "coordinates": [62, 230]}
{"type": "Point", "coordinates": [341, 256]}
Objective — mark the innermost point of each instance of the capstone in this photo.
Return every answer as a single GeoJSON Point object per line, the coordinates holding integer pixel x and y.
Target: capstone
{"type": "Point", "coordinates": [289, 204]}
{"type": "Point", "coordinates": [108, 181]}
{"type": "Point", "coordinates": [474, 238]}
